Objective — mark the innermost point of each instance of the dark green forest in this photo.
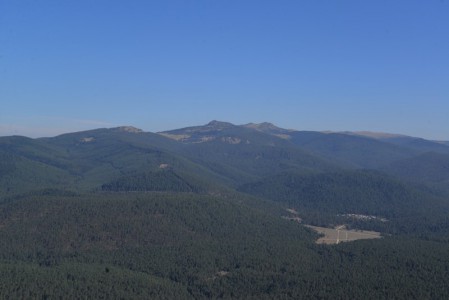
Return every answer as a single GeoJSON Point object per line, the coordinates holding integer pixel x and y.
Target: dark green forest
{"type": "Point", "coordinates": [190, 246]}
{"type": "Point", "coordinates": [323, 199]}
{"type": "Point", "coordinates": [124, 214]}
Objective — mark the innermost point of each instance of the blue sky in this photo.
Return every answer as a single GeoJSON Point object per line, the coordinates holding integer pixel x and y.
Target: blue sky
{"type": "Point", "coordinates": [310, 65]}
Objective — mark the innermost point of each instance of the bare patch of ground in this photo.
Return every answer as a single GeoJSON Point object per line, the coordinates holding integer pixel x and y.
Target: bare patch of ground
{"type": "Point", "coordinates": [293, 215]}
{"type": "Point", "coordinates": [340, 234]}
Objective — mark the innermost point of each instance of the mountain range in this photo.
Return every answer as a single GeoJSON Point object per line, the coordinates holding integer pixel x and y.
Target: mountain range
{"type": "Point", "coordinates": [206, 212]}
{"type": "Point", "coordinates": [212, 158]}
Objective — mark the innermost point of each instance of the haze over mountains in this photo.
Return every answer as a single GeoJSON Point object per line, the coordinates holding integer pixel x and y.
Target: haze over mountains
{"type": "Point", "coordinates": [215, 211]}
{"type": "Point", "coordinates": [358, 149]}
{"type": "Point", "coordinates": [219, 152]}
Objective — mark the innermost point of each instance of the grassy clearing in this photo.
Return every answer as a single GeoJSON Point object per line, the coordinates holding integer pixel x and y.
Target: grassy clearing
{"type": "Point", "coordinates": [340, 234]}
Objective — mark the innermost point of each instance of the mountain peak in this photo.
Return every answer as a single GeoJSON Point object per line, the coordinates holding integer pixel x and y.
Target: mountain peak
{"type": "Point", "coordinates": [219, 124]}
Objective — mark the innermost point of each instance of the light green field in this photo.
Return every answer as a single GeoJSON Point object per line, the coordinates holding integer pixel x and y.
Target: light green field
{"type": "Point", "coordinates": [340, 234]}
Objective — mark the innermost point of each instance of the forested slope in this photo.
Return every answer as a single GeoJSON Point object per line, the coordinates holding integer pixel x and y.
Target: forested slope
{"type": "Point", "coordinates": [172, 245]}
{"type": "Point", "coordinates": [325, 198]}
{"type": "Point", "coordinates": [205, 212]}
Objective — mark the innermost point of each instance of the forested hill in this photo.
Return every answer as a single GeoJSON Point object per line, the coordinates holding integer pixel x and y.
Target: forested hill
{"type": "Point", "coordinates": [328, 197]}
{"type": "Point", "coordinates": [218, 211]}
{"type": "Point", "coordinates": [349, 149]}
{"type": "Point", "coordinates": [220, 153]}
{"type": "Point", "coordinates": [427, 167]}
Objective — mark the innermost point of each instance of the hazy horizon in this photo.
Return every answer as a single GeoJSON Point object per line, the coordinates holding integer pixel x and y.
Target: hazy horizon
{"type": "Point", "coordinates": [57, 132]}
{"type": "Point", "coordinates": [377, 66]}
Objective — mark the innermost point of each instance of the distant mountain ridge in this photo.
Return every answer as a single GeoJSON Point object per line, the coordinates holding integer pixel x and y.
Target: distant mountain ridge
{"type": "Point", "coordinates": [270, 128]}
{"type": "Point", "coordinates": [351, 149]}
{"type": "Point", "coordinates": [220, 153]}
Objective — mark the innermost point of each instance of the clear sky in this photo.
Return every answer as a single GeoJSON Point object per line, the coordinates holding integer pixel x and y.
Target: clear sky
{"type": "Point", "coordinates": [378, 65]}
